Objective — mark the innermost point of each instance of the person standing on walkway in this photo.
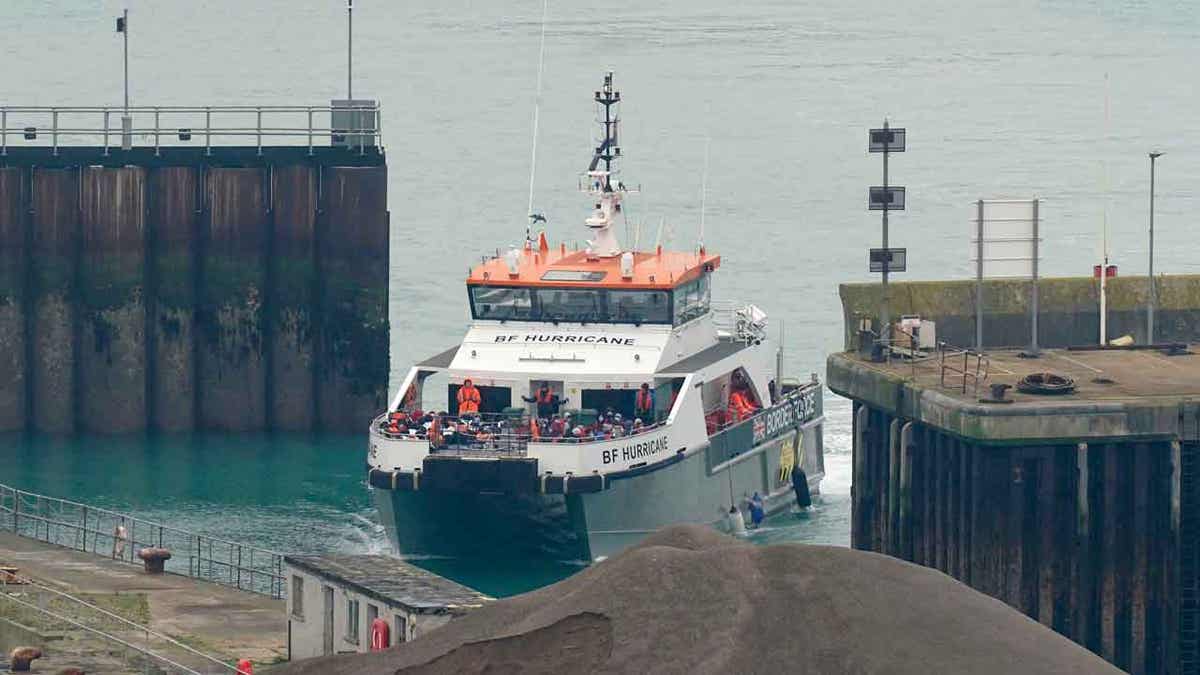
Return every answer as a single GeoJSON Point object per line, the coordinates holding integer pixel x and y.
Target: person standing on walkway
{"type": "Point", "coordinates": [468, 398]}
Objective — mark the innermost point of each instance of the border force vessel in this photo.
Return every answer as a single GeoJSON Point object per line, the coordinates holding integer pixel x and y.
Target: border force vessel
{"type": "Point", "coordinates": [599, 394]}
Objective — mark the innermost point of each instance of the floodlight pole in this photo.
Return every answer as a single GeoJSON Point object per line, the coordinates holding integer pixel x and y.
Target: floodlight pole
{"type": "Point", "coordinates": [979, 277]}
{"type": "Point", "coordinates": [884, 308]}
{"type": "Point", "coordinates": [125, 35]}
{"type": "Point", "coordinates": [1150, 275]}
{"type": "Point", "coordinates": [126, 120]}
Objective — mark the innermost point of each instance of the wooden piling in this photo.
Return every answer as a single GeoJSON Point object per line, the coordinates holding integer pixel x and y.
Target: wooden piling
{"type": "Point", "coordinates": [293, 315]}
{"type": "Point", "coordinates": [13, 267]}
{"type": "Point", "coordinates": [112, 311]}
{"type": "Point", "coordinates": [54, 312]}
{"type": "Point", "coordinates": [231, 373]}
{"type": "Point", "coordinates": [353, 351]}
{"type": "Point", "coordinates": [176, 204]}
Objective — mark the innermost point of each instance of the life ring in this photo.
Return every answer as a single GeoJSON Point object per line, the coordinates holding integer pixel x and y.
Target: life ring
{"type": "Point", "coordinates": [380, 635]}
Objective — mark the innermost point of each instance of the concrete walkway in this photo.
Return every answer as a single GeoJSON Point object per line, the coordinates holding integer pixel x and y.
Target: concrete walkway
{"type": "Point", "coordinates": [213, 619]}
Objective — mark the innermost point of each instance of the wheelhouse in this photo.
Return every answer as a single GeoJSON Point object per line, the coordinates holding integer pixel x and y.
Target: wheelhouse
{"type": "Point", "coordinates": [656, 288]}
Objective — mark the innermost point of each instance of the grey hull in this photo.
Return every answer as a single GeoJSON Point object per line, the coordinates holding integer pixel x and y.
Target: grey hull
{"type": "Point", "coordinates": [599, 524]}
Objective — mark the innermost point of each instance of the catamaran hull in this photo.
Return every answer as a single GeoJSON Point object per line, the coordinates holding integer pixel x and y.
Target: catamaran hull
{"type": "Point", "coordinates": [594, 525]}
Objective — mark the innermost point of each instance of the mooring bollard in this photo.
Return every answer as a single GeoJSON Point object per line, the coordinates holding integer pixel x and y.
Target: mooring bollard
{"type": "Point", "coordinates": [155, 559]}
{"type": "Point", "coordinates": [20, 658]}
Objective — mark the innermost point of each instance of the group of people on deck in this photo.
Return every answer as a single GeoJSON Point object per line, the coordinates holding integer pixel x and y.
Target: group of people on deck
{"type": "Point", "coordinates": [470, 428]}
{"type": "Point", "coordinates": [548, 424]}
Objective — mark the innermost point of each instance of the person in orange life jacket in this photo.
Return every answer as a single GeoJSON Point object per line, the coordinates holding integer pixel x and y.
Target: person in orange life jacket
{"type": "Point", "coordinates": [741, 404]}
{"type": "Point", "coordinates": [643, 403]}
{"type": "Point", "coordinates": [546, 400]}
{"type": "Point", "coordinates": [468, 398]}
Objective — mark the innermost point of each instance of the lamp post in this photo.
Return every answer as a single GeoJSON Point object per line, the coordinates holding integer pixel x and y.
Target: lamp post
{"type": "Point", "coordinates": [350, 52]}
{"type": "Point", "coordinates": [1150, 275]}
{"type": "Point", "coordinates": [126, 120]}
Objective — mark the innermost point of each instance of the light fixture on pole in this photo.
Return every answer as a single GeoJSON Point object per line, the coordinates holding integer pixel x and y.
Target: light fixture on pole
{"type": "Point", "coordinates": [126, 120]}
{"type": "Point", "coordinates": [1150, 274]}
{"type": "Point", "coordinates": [886, 198]}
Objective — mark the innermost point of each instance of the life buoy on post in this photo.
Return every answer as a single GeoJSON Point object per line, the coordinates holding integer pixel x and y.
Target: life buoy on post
{"type": "Point", "coordinates": [244, 667]}
{"type": "Point", "coordinates": [380, 635]}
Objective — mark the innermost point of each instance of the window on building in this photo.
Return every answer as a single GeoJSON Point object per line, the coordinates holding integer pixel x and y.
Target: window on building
{"type": "Point", "coordinates": [352, 621]}
{"type": "Point", "coordinates": [401, 630]}
{"type": "Point", "coordinates": [297, 596]}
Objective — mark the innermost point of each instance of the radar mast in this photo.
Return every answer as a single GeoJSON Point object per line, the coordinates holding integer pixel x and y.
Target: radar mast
{"type": "Point", "coordinates": [602, 183]}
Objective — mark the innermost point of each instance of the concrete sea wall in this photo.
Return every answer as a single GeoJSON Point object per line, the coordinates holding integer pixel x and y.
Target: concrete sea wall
{"type": "Point", "coordinates": [227, 291]}
{"type": "Point", "coordinates": [1069, 309]}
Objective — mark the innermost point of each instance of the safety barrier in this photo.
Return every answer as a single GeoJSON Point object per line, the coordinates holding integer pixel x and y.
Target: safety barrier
{"type": "Point", "coordinates": [357, 126]}
{"type": "Point", "coordinates": [121, 536]}
{"type": "Point", "coordinates": [52, 606]}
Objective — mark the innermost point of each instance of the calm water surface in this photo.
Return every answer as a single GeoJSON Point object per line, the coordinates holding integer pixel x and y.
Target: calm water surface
{"type": "Point", "coordinates": [1001, 98]}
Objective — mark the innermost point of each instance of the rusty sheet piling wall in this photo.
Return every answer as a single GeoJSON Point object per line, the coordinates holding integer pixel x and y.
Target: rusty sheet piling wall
{"type": "Point", "coordinates": [1069, 309]}
{"type": "Point", "coordinates": [185, 291]}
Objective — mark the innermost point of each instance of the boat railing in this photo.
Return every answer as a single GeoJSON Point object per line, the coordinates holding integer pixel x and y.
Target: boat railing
{"type": "Point", "coordinates": [503, 441]}
{"type": "Point", "coordinates": [121, 536]}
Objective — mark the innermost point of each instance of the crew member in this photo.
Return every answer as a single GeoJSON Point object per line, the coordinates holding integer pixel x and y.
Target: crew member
{"type": "Point", "coordinates": [468, 398]}
{"type": "Point", "coordinates": [547, 402]}
{"type": "Point", "coordinates": [643, 403]}
{"type": "Point", "coordinates": [741, 404]}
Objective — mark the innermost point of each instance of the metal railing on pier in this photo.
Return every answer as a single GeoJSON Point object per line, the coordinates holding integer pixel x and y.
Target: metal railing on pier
{"type": "Point", "coordinates": [357, 126]}
{"type": "Point", "coordinates": [973, 371]}
{"type": "Point", "coordinates": [121, 536]}
{"type": "Point", "coordinates": [57, 609]}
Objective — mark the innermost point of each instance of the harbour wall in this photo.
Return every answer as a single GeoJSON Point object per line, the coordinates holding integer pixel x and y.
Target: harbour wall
{"type": "Point", "coordinates": [1082, 513]}
{"type": "Point", "coordinates": [1068, 309]}
{"type": "Point", "coordinates": [184, 290]}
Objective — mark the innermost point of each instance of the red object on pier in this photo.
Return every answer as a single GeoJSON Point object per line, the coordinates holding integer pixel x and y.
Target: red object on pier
{"type": "Point", "coordinates": [380, 635]}
{"type": "Point", "coordinates": [245, 667]}
{"type": "Point", "coordinates": [1112, 271]}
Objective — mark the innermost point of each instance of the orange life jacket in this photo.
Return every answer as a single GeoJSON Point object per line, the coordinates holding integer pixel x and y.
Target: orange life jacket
{"type": "Point", "coordinates": [741, 405]}
{"type": "Point", "coordinates": [534, 432]}
{"type": "Point", "coordinates": [644, 400]}
{"type": "Point", "coordinates": [468, 399]}
{"type": "Point", "coordinates": [544, 396]}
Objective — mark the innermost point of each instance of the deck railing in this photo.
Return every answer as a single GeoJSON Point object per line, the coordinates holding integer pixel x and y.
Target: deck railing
{"type": "Point", "coordinates": [358, 126]}
{"type": "Point", "coordinates": [121, 536]}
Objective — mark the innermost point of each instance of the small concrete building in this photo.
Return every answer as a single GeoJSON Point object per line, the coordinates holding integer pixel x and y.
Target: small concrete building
{"type": "Point", "coordinates": [333, 600]}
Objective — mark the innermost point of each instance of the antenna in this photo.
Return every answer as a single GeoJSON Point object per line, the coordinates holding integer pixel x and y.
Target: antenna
{"type": "Point", "coordinates": [608, 149]}
{"type": "Point", "coordinates": [537, 106]}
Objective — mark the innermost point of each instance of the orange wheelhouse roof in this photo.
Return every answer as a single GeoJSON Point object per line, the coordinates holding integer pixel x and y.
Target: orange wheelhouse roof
{"type": "Point", "coordinates": [662, 270]}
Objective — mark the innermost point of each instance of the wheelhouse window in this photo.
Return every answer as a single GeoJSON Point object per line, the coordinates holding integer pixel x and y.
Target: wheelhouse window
{"type": "Point", "coordinates": [639, 307]}
{"type": "Point", "coordinates": [504, 304]}
{"type": "Point", "coordinates": [571, 305]}
{"type": "Point", "coordinates": [692, 300]}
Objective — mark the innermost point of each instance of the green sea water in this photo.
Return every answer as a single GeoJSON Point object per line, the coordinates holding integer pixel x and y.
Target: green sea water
{"type": "Point", "coordinates": [287, 493]}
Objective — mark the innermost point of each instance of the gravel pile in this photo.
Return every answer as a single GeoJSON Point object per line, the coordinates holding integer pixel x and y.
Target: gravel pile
{"type": "Point", "coordinates": [690, 600]}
